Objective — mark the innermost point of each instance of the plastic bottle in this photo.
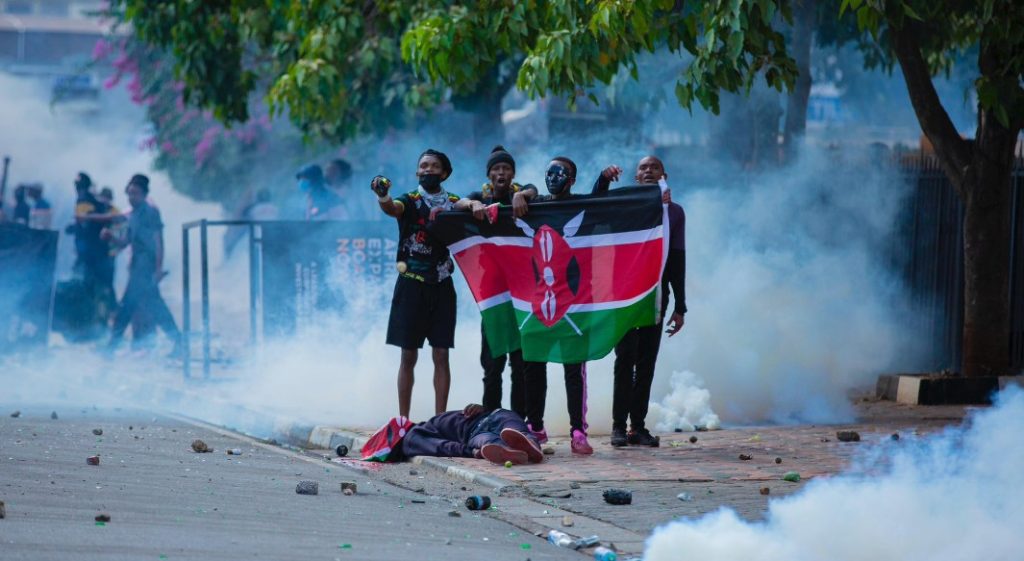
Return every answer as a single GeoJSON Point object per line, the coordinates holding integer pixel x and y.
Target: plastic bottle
{"type": "Point", "coordinates": [561, 539]}
{"type": "Point", "coordinates": [602, 553]}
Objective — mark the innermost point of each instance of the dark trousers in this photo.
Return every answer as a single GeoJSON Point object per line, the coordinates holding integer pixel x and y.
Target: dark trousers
{"type": "Point", "coordinates": [439, 438]}
{"type": "Point", "coordinates": [142, 296]}
{"type": "Point", "coordinates": [575, 394]}
{"type": "Point", "coordinates": [635, 356]}
{"type": "Point", "coordinates": [493, 369]}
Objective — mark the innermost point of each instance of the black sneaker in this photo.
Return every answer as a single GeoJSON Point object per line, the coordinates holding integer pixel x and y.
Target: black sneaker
{"type": "Point", "coordinates": [643, 437]}
{"type": "Point", "coordinates": [619, 438]}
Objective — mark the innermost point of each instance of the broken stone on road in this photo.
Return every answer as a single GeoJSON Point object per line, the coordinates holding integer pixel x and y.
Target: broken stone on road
{"type": "Point", "coordinates": [307, 488]}
{"type": "Point", "coordinates": [200, 447]}
{"type": "Point", "coordinates": [848, 436]}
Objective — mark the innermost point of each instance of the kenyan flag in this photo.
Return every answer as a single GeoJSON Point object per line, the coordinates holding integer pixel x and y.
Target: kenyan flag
{"type": "Point", "coordinates": [568, 280]}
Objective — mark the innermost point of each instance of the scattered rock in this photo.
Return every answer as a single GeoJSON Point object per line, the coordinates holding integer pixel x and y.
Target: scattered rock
{"type": "Point", "coordinates": [348, 487]}
{"type": "Point", "coordinates": [53, 415]}
{"type": "Point", "coordinates": [746, 457]}
{"type": "Point", "coordinates": [791, 476]}
{"type": "Point", "coordinates": [677, 429]}
{"type": "Point", "coordinates": [448, 541]}
{"type": "Point", "coordinates": [413, 472]}
{"type": "Point", "coordinates": [700, 428]}
{"type": "Point", "coordinates": [574, 485]}
{"type": "Point", "coordinates": [848, 436]}
{"type": "Point", "coordinates": [3, 510]}
{"type": "Point", "coordinates": [693, 440]}
{"type": "Point", "coordinates": [234, 451]}
{"type": "Point", "coordinates": [895, 436]}
{"type": "Point", "coordinates": [418, 502]}
{"type": "Point", "coordinates": [618, 496]}
{"type": "Point", "coordinates": [199, 447]}
{"type": "Point", "coordinates": [567, 521]}
{"type": "Point", "coordinates": [16, 414]}
{"type": "Point", "coordinates": [420, 490]}
{"type": "Point", "coordinates": [103, 517]}
{"type": "Point", "coordinates": [93, 460]}
{"type": "Point", "coordinates": [778, 460]}
{"type": "Point", "coordinates": [685, 497]}
{"type": "Point", "coordinates": [548, 450]}
{"type": "Point", "coordinates": [97, 432]}
{"type": "Point", "coordinates": [765, 490]}
{"type": "Point", "coordinates": [307, 488]}
{"type": "Point", "coordinates": [341, 450]}
{"type": "Point", "coordinates": [454, 513]}
{"type": "Point", "coordinates": [826, 440]}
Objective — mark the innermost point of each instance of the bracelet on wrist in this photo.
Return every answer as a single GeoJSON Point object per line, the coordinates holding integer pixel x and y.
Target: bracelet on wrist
{"type": "Point", "coordinates": [383, 199]}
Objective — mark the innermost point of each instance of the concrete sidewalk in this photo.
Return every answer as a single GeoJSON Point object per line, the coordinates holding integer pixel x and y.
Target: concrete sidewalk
{"type": "Point", "coordinates": [710, 471]}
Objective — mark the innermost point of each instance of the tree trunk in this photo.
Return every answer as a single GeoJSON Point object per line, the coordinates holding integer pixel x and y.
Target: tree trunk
{"type": "Point", "coordinates": [796, 104]}
{"type": "Point", "coordinates": [987, 231]}
{"type": "Point", "coordinates": [981, 173]}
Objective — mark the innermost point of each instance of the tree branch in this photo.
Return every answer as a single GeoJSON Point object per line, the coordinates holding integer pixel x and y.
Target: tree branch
{"type": "Point", "coordinates": [954, 152]}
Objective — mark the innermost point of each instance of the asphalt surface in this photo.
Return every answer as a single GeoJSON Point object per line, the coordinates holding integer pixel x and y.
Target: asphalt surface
{"type": "Point", "coordinates": [167, 502]}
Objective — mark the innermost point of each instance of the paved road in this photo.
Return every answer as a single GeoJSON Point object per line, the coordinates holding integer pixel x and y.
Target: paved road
{"type": "Point", "coordinates": [167, 502]}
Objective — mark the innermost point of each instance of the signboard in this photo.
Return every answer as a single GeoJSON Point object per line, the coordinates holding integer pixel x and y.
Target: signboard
{"type": "Point", "coordinates": [313, 269]}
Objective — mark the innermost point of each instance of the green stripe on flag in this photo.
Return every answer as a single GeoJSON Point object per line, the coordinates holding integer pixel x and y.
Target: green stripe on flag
{"type": "Point", "coordinates": [560, 343]}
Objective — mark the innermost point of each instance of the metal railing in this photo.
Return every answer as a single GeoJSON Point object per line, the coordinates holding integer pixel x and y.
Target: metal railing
{"type": "Point", "coordinates": [186, 288]}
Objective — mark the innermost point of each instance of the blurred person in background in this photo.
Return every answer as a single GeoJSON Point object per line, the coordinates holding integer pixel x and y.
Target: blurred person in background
{"type": "Point", "coordinates": [41, 215]}
{"type": "Point", "coordinates": [321, 202]}
{"type": "Point", "coordinates": [142, 295]}
{"type": "Point", "coordinates": [22, 210]}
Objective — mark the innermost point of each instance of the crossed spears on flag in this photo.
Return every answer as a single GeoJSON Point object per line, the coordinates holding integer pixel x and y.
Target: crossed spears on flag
{"type": "Point", "coordinates": [554, 253]}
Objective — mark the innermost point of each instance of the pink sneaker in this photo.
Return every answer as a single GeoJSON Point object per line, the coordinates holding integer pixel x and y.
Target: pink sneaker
{"type": "Point", "coordinates": [541, 436]}
{"type": "Point", "coordinates": [498, 454]}
{"type": "Point", "coordinates": [580, 444]}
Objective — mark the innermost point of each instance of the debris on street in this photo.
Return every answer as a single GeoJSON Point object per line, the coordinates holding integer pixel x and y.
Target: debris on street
{"type": "Point", "coordinates": [618, 497]}
{"type": "Point", "coordinates": [103, 517]}
{"type": "Point", "coordinates": [341, 450]}
{"type": "Point", "coordinates": [778, 460]}
{"type": "Point", "coordinates": [413, 472]}
{"type": "Point", "coordinates": [53, 415]}
{"type": "Point", "coordinates": [234, 451]}
{"type": "Point", "coordinates": [548, 450]}
{"type": "Point", "coordinates": [348, 487]}
{"type": "Point", "coordinates": [848, 436]}
{"type": "Point", "coordinates": [574, 485]}
{"type": "Point", "coordinates": [895, 436]}
{"type": "Point", "coordinates": [93, 460]}
{"type": "Point", "coordinates": [791, 476]}
{"type": "Point", "coordinates": [97, 432]}
{"type": "Point", "coordinates": [746, 457]}
{"type": "Point", "coordinates": [685, 497]}
{"type": "Point", "coordinates": [16, 414]}
{"type": "Point", "coordinates": [693, 440]}
{"type": "Point", "coordinates": [454, 513]}
{"type": "Point", "coordinates": [307, 488]}
{"type": "Point", "coordinates": [766, 490]}
{"type": "Point", "coordinates": [477, 502]}
{"type": "Point", "coordinates": [567, 521]}
{"type": "Point", "coordinates": [199, 447]}
{"type": "Point", "coordinates": [3, 510]}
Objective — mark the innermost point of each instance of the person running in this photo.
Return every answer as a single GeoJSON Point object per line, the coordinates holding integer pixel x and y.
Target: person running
{"type": "Point", "coordinates": [423, 305]}
{"type": "Point", "coordinates": [142, 295]}
{"type": "Point", "coordinates": [502, 189]}
{"type": "Point", "coordinates": [560, 177]}
{"type": "Point", "coordinates": [497, 435]}
{"type": "Point", "coordinates": [637, 352]}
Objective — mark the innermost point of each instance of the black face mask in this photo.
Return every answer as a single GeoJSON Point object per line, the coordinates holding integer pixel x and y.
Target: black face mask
{"type": "Point", "coordinates": [430, 181]}
{"type": "Point", "coordinates": [557, 179]}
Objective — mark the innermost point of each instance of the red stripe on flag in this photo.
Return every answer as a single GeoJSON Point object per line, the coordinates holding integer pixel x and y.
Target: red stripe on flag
{"type": "Point", "coordinates": [607, 273]}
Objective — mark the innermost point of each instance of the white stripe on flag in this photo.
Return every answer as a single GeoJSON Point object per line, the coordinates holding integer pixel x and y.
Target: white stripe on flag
{"type": "Point", "coordinates": [597, 240]}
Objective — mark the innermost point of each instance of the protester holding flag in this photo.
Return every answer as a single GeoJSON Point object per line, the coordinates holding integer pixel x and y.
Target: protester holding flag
{"type": "Point", "coordinates": [501, 189]}
{"type": "Point", "coordinates": [559, 178]}
{"type": "Point", "coordinates": [636, 354]}
{"type": "Point", "coordinates": [423, 306]}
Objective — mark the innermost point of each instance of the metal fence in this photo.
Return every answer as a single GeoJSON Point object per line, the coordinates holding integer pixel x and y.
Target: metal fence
{"type": "Point", "coordinates": [929, 250]}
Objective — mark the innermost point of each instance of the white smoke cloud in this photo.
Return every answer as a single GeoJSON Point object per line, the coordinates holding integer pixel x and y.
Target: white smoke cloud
{"type": "Point", "coordinates": [948, 497]}
{"type": "Point", "coordinates": [686, 407]}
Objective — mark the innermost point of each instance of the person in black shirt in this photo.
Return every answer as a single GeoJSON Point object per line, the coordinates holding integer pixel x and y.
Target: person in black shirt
{"type": "Point", "coordinates": [423, 305]}
{"type": "Point", "coordinates": [502, 189]}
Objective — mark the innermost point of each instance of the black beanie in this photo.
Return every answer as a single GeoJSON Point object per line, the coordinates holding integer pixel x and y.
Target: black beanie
{"type": "Point", "coordinates": [446, 164]}
{"type": "Point", "coordinates": [498, 156]}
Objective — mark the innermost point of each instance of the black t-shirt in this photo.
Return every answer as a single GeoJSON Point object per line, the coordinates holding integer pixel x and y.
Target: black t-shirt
{"type": "Point", "coordinates": [144, 228]}
{"type": "Point", "coordinates": [486, 194]}
{"type": "Point", "coordinates": [426, 258]}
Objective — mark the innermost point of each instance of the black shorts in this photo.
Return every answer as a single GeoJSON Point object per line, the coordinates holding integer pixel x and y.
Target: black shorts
{"type": "Point", "coordinates": [422, 311]}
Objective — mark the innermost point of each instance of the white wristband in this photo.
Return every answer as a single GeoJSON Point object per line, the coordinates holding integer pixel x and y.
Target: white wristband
{"type": "Point", "coordinates": [384, 199]}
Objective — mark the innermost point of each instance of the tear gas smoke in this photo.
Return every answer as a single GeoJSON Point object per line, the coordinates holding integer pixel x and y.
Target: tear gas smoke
{"type": "Point", "coordinates": [951, 496]}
